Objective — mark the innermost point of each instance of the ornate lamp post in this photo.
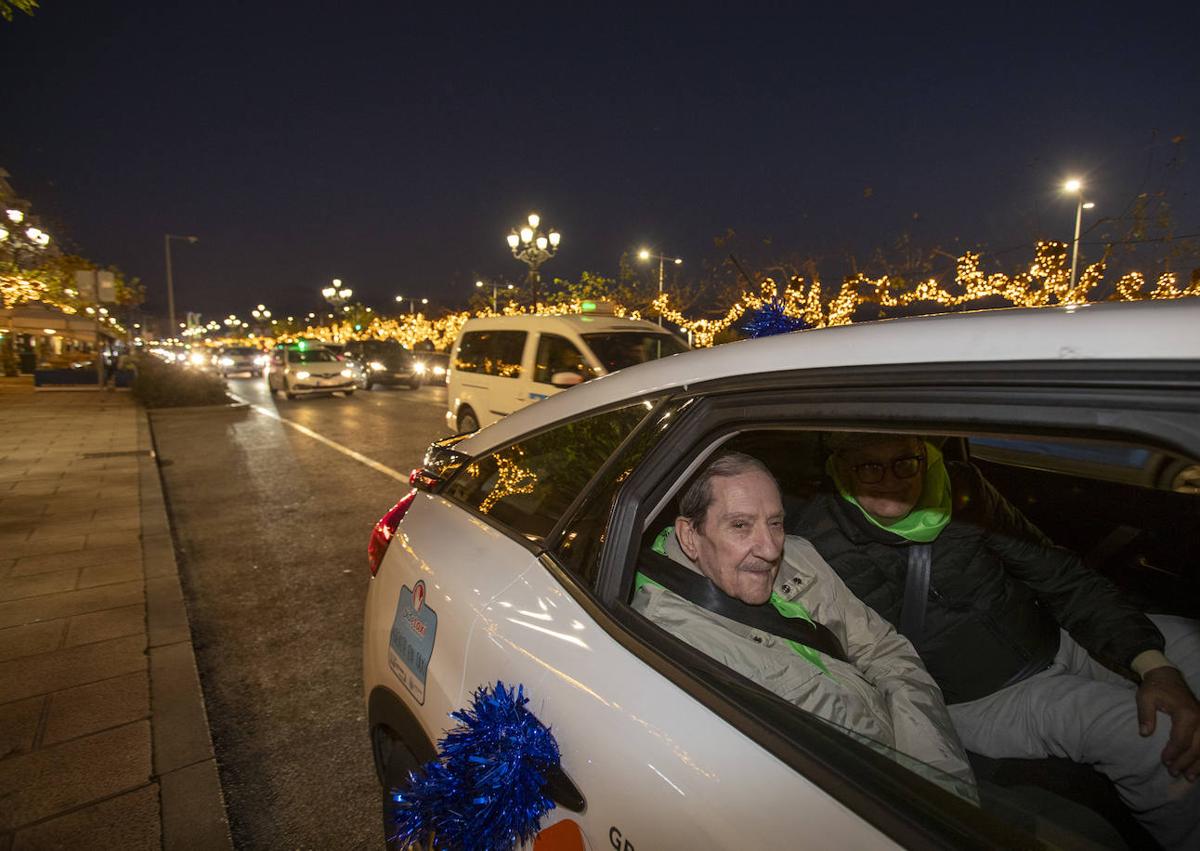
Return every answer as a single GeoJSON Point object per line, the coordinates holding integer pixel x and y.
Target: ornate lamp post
{"type": "Point", "coordinates": [533, 247]}
{"type": "Point", "coordinates": [1075, 186]}
{"type": "Point", "coordinates": [337, 295]}
{"type": "Point", "coordinates": [645, 254]}
{"type": "Point", "coordinates": [495, 287]}
{"type": "Point", "coordinates": [170, 281]}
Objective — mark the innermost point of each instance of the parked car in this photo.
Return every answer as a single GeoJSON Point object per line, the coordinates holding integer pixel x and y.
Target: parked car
{"type": "Point", "coordinates": [233, 359]}
{"type": "Point", "coordinates": [520, 544]}
{"type": "Point", "coordinates": [384, 362]}
{"type": "Point", "coordinates": [305, 369]}
{"type": "Point", "coordinates": [432, 367]}
{"type": "Point", "coordinates": [500, 364]}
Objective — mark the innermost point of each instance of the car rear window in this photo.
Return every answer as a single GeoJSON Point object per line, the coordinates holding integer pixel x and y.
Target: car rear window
{"type": "Point", "coordinates": [528, 485]}
{"type": "Point", "coordinates": [491, 353]}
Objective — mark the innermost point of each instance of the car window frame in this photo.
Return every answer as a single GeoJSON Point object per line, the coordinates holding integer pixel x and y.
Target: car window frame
{"type": "Point", "coordinates": [537, 545]}
{"type": "Point", "coordinates": [1100, 399]}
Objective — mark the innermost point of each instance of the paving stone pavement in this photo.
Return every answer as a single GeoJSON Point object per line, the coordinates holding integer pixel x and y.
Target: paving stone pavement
{"type": "Point", "coordinates": [104, 741]}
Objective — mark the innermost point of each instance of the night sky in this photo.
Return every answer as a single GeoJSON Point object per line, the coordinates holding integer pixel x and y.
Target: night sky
{"type": "Point", "coordinates": [395, 148]}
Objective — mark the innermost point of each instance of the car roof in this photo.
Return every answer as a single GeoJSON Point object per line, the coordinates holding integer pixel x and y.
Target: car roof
{"type": "Point", "coordinates": [580, 323]}
{"type": "Point", "coordinates": [1148, 330]}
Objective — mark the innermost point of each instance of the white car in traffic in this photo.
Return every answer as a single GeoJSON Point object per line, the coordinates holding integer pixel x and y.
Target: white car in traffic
{"type": "Point", "coordinates": [513, 559]}
{"type": "Point", "coordinates": [307, 369]}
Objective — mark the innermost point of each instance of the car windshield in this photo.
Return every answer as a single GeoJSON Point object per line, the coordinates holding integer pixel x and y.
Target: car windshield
{"type": "Point", "coordinates": [619, 349]}
{"type": "Point", "coordinates": [311, 356]}
{"type": "Point", "coordinates": [241, 351]}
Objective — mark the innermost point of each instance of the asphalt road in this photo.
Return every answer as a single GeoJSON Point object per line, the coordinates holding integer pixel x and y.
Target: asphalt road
{"type": "Point", "coordinates": [272, 525]}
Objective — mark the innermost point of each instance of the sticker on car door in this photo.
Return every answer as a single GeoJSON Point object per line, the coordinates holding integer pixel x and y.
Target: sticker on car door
{"type": "Point", "coordinates": [410, 645]}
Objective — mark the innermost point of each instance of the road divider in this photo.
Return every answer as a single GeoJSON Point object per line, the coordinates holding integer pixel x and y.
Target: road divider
{"type": "Point", "coordinates": [332, 444]}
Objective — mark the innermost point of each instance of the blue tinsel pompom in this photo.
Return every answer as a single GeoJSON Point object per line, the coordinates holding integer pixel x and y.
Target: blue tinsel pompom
{"type": "Point", "coordinates": [770, 319]}
{"type": "Point", "coordinates": [484, 791]}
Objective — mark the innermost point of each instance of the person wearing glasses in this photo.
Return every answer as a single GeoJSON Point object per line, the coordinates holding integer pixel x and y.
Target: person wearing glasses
{"type": "Point", "coordinates": [1036, 655]}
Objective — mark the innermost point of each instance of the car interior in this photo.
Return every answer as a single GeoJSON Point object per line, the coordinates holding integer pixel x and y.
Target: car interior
{"type": "Point", "coordinates": [1129, 510]}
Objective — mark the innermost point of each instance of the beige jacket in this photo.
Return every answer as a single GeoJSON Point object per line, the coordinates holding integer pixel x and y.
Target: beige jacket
{"type": "Point", "coordinates": [883, 694]}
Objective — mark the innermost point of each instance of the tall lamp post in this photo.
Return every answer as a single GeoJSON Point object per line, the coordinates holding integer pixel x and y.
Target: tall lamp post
{"type": "Point", "coordinates": [170, 281]}
{"type": "Point", "coordinates": [533, 247]}
{"type": "Point", "coordinates": [411, 302]}
{"type": "Point", "coordinates": [645, 254]}
{"type": "Point", "coordinates": [1074, 186]}
{"type": "Point", "coordinates": [495, 287]}
{"type": "Point", "coordinates": [336, 294]}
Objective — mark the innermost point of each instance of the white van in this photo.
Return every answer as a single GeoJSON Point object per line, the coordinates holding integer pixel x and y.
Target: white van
{"type": "Point", "coordinates": [501, 364]}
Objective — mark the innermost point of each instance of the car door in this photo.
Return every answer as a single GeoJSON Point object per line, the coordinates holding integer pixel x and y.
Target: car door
{"type": "Point", "coordinates": [555, 355]}
{"type": "Point", "coordinates": [654, 768]}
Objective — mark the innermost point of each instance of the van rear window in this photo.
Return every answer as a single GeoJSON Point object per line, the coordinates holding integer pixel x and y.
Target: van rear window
{"type": "Point", "coordinates": [491, 353]}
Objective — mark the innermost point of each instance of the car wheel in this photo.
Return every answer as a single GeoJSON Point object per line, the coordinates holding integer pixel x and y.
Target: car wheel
{"type": "Point", "coordinates": [414, 384]}
{"type": "Point", "coordinates": [368, 383]}
{"type": "Point", "coordinates": [348, 393]}
{"type": "Point", "coordinates": [256, 374]}
{"type": "Point", "coordinates": [467, 421]}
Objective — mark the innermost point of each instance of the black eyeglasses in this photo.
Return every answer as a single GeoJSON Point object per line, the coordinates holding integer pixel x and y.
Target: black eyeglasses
{"type": "Point", "coordinates": [871, 473]}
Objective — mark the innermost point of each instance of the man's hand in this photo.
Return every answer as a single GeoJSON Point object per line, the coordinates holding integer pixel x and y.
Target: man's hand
{"type": "Point", "coordinates": [1163, 689]}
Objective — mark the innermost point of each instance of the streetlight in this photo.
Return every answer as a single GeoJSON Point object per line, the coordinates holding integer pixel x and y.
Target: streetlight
{"type": "Point", "coordinates": [170, 282]}
{"type": "Point", "coordinates": [533, 247]}
{"type": "Point", "coordinates": [337, 295]}
{"type": "Point", "coordinates": [645, 254]}
{"type": "Point", "coordinates": [1074, 186]}
{"type": "Point", "coordinates": [411, 302]}
{"type": "Point", "coordinates": [495, 287]}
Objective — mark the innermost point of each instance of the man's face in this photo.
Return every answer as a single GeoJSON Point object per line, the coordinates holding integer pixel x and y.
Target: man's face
{"type": "Point", "coordinates": [891, 497]}
{"type": "Point", "coordinates": [741, 543]}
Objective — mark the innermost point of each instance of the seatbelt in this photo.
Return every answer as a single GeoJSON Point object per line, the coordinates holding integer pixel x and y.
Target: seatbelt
{"type": "Point", "coordinates": [697, 589]}
{"type": "Point", "coordinates": [916, 591]}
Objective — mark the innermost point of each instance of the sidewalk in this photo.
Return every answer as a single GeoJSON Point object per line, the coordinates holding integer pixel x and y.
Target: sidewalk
{"type": "Point", "coordinates": [104, 741]}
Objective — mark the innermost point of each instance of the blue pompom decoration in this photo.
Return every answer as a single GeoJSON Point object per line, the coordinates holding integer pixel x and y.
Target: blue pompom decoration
{"type": "Point", "coordinates": [484, 791]}
{"type": "Point", "coordinates": [770, 319]}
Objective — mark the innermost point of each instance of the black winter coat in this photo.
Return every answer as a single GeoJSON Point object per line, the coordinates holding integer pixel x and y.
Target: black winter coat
{"type": "Point", "coordinates": [998, 589]}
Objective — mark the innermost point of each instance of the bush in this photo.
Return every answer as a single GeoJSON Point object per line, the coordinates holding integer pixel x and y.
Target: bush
{"type": "Point", "coordinates": [169, 385]}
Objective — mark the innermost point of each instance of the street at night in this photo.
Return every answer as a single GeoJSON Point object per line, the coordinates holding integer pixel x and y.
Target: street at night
{"type": "Point", "coordinates": [272, 528]}
{"type": "Point", "coordinates": [633, 427]}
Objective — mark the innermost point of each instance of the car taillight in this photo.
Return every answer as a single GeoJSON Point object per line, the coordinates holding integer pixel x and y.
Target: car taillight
{"type": "Point", "coordinates": [382, 534]}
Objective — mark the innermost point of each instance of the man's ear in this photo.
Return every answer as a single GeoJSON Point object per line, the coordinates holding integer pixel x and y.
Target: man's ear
{"type": "Point", "coordinates": [686, 534]}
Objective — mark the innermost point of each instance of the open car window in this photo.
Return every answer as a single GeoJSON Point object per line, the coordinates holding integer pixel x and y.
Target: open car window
{"type": "Point", "coordinates": [1126, 506]}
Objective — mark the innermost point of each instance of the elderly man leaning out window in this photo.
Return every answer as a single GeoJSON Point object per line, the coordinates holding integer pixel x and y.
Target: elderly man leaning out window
{"type": "Point", "coordinates": [731, 531]}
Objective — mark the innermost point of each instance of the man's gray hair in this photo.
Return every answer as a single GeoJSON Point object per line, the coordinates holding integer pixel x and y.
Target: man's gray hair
{"type": "Point", "coordinates": [698, 497]}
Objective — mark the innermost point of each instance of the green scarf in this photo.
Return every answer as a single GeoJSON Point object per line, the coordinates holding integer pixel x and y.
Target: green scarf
{"type": "Point", "coordinates": [931, 513]}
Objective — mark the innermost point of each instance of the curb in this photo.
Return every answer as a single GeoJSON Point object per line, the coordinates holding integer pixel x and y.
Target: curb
{"type": "Point", "coordinates": [190, 796]}
{"type": "Point", "coordinates": [197, 409]}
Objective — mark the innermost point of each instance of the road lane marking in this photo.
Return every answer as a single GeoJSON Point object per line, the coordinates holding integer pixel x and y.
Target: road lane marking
{"type": "Point", "coordinates": [332, 444]}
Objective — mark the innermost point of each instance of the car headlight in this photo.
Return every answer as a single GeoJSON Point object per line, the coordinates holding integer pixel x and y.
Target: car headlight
{"type": "Point", "coordinates": [439, 370]}
{"type": "Point", "coordinates": [182, 358]}
{"type": "Point", "coordinates": [419, 368]}
{"type": "Point", "coordinates": [197, 358]}
{"type": "Point", "coordinates": [261, 360]}
{"type": "Point", "coordinates": [303, 374]}
{"type": "Point", "coordinates": [347, 373]}
{"type": "Point", "coordinates": [377, 366]}
{"type": "Point", "coordinates": [226, 361]}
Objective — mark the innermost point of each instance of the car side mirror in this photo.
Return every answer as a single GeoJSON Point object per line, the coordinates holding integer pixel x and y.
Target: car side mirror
{"type": "Point", "coordinates": [566, 379]}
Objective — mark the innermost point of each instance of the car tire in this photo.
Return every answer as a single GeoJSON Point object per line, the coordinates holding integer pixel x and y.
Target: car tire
{"type": "Point", "coordinates": [467, 421]}
{"type": "Point", "coordinates": [414, 384]}
{"type": "Point", "coordinates": [348, 393]}
{"type": "Point", "coordinates": [368, 383]}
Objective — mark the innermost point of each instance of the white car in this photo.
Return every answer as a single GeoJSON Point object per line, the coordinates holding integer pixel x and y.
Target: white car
{"type": "Point", "coordinates": [513, 560]}
{"type": "Point", "coordinates": [307, 369]}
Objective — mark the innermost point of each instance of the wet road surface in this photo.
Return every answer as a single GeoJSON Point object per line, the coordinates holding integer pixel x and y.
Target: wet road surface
{"type": "Point", "coordinates": [272, 525]}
